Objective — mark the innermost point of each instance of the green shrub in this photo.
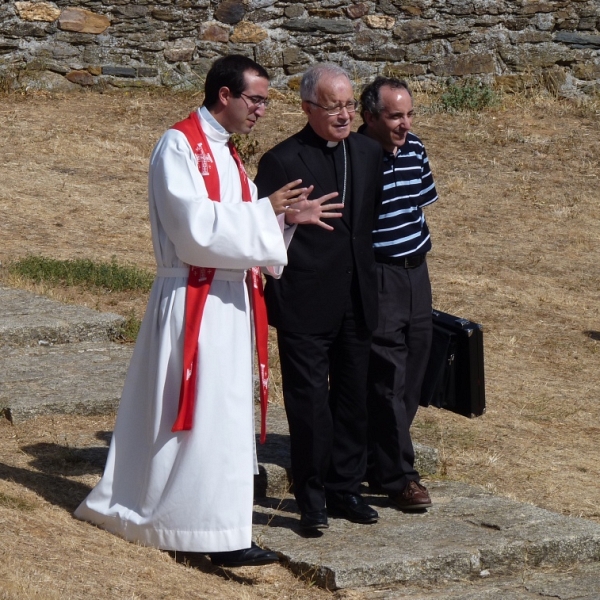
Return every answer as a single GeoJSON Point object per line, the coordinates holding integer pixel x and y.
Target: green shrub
{"type": "Point", "coordinates": [468, 96]}
{"type": "Point", "coordinates": [246, 145]}
{"type": "Point", "coordinates": [84, 272]}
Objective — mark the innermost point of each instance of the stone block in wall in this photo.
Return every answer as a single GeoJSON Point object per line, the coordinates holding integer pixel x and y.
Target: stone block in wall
{"type": "Point", "coordinates": [130, 11]}
{"type": "Point", "coordinates": [94, 70]}
{"type": "Point", "coordinates": [248, 33]}
{"type": "Point", "coordinates": [44, 64]}
{"type": "Point", "coordinates": [325, 25]}
{"type": "Point", "coordinates": [489, 7]}
{"type": "Point", "coordinates": [356, 11]}
{"type": "Point", "coordinates": [516, 23]}
{"type": "Point", "coordinates": [460, 8]}
{"type": "Point", "coordinates": [180, 50]}
{"type": "Point", "coordinates": [49, 50]}
{"type": "Point", "coordinates": [145, 46]}
{"type": "Point", "coordinates": [214, 32]}
{"type": "Point", "coordinates": [82, 21]}
{"type": "Point", "coordinates": [294, 10]}
{"type": "Point", "coordinates": [387, 7]}
{"type": "Point", "coordinates": [401, 70]}
{"type": "Point", "coordinates": [75, 38]}
{"type": "Point", "coordinates": [325, 13]}
{"type": "Point", "coordinates": [147, 72]}
{"type": "Point", "coordinates": [374, 45]}
{"type": "Point", "coordinates": [587, 24]}
{"type": "Point", "coordinates": [262, 15]}
{"type": "Point", "coordinates": [425, 51]}
{"type": "Point", "coordinates": [416, 30]}
{"type": "Point", "coordinates": [37, 11]}
{"type": "Point", "coordinates": [166, 14]}
{"type": "Point", "coordinates": [531, 36]}
{"type": "Point", "coordinates": [80, 77]}
{"type": "Point", "coordinates": [531, 7]}
{"type": "Point", "coordinates": [463, 64]}
{"type": "Point", "coordinates": [461, 45]}
{"type": "Point", "coordinates": [578, 40]}
{"type": "Point", "coordinates": [202, 66]}
{"type": "Point", "coordinates": [269, 56]}
{"type": "Point", "coordinates": [380, 21]}
{"type": "Point", "coordinates": [230, 11]}
{"type": "Point", "coordinates": [117, 71]}
{"type": "Point", "coordinates": [45, 80]}
{"type": "Point", "coordinates": [412, 10]}
{"type": "Point", "coordinates": [7, 46]}
{"type": "Point", "coordinates": [543, 21]}
{"type": "Point", "coordinates": [588, 71]}
{"type": "Point", "coordinates": [21, 29]}
{"type": "Point", "coordinates": [256, 4]}
{"type": "Point", "coordinates": [533, 56]}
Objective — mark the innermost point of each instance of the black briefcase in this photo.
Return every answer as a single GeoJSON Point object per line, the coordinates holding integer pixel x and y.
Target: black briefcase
{"type": "Point", "coordinates": [454, 377]}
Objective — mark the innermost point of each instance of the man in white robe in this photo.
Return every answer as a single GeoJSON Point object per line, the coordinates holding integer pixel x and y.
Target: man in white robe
{"type": "Point", "coordinates": [193, 490]}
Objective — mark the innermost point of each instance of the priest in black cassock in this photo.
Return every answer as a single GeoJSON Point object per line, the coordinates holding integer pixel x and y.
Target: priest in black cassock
{"type": "Point", "coordinates": [324, 307]}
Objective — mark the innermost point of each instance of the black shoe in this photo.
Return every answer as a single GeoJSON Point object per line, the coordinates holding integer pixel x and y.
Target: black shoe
{"type": "Point", "coordinates": [352, 507]}
{"type": "Point", "coordinates": [315, 519]}
{"type": "Point", "coordinates": [248, 557]}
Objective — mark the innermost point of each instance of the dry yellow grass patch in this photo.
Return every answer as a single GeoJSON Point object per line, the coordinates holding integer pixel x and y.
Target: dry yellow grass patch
{"type": "Point", "coordinates": [516, 234]}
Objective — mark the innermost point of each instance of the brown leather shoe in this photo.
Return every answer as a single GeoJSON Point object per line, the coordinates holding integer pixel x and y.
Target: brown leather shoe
{"type": "Point", "coordinates": [414, 497]}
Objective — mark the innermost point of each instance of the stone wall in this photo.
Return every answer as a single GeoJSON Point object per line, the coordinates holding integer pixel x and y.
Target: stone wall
{"type": "Point", "coordinates": [67, 44]}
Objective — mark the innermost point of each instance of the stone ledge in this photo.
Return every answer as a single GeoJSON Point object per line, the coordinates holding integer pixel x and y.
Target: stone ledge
{"type": "Point", "coordinates": [467, 534]}
{"type": "Point", "coordinates": [30, 320]}
{"type": "Point", "coordinates": [73, 379]}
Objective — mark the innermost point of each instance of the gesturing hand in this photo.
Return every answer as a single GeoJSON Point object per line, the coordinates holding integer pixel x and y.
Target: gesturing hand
{"type": "Point", "coordinates": [289, 194]}
{"type": "Point", "coordinates": [310, 212]}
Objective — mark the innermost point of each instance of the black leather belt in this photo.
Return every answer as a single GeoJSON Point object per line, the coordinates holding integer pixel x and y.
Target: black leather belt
{"type": "Point", "coordinates": [406, 262]}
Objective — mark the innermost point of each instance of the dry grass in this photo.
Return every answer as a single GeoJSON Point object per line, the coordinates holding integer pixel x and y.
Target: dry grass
{"type": "Point", "coordinates": [515, 233]}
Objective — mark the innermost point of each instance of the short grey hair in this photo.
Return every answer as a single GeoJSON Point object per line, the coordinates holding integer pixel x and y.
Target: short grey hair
{"type": "Point", "coordinates": [311, 78]}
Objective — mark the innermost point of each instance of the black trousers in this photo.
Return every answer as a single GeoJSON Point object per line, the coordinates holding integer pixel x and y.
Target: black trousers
{"type": "Point", "coordinates": [399, 355]}
{"type": "Point", "coordinates": [324, 388]}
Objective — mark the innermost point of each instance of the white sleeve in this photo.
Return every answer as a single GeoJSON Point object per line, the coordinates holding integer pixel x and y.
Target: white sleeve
{"type": "Point", "coordinates": [228, 235]}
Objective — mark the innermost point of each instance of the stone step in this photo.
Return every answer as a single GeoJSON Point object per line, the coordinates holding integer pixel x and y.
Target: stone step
{"type": "Point", "coordinates": [27, 319]}
{"type": "Point", "coordinates": [80, 378]}
{"type": "Point", "coordinates": [468, 534]}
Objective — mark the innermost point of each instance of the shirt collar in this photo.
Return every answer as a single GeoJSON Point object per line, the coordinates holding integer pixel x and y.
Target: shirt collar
{"type": "Point", "coordinates": [206, 114]}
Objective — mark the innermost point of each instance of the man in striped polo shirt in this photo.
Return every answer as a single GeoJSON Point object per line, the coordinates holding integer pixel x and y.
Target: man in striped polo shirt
{"type": "Point", "coordinates": [401, 343]}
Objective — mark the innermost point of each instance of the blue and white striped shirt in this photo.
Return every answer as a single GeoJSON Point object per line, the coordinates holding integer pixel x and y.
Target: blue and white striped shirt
{"type": "Point", "coordinates": [408, 186]}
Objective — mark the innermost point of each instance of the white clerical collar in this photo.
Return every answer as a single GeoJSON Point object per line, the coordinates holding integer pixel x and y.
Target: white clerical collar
{"type": "Point", "coordinates": [332, 144]}
{"type": "Point", "coordinates": [206, 114]}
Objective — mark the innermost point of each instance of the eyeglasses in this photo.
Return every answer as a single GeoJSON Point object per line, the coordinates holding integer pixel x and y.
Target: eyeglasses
{"type": "Point", "coordinates": [332, 111]}
{"type": "Point", "coordinates": [255, 101]}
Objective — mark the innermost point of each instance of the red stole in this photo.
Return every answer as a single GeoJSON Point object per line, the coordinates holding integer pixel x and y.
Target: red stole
{"type": "Point", "coordinates": [198, 285]}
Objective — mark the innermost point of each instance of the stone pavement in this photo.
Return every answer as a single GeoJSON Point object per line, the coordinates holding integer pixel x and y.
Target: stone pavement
{"type": "Point", "coordinates": [470, 545]}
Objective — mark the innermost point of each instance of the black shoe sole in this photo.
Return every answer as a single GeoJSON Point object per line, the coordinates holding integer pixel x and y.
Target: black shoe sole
{"type": "Point", "coordinates": [249, 563]}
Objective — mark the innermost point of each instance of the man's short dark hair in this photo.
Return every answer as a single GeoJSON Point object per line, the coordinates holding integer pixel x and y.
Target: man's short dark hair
{"type": "Point", "coordinates": [228, 71]}
{"type": "Point", "coordinates": [370, 100]}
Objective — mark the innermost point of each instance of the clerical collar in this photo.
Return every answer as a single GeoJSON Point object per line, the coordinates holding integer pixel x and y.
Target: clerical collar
{"type": "Point", "coordinates": [207, 116]}
{"type": "Point", "coordinates": [332, 144]}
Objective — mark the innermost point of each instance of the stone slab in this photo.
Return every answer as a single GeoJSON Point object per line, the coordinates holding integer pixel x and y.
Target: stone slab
{"type": "Point", "coordinates": [27, 319]}
{"type": "Point", "coordinates": [468, 532]}
{"type": "Point", "coordinates": [83, 378]}
{"type": "Point", "coordinates": [579, 582]}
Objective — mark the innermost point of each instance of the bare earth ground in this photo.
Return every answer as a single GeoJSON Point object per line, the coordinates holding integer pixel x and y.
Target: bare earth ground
{"type": "Point", "coordinates": [516, 238]}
